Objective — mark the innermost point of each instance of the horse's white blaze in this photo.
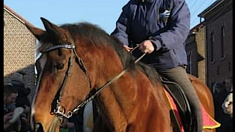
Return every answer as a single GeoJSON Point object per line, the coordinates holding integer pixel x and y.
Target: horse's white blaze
{"type": "Point", "coordinates": [88, 123]}
{"type": "Point", "coordinates": [42, 61]}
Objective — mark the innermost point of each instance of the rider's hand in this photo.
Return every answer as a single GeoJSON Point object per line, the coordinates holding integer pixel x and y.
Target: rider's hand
{"type": "Point", "coordinates": [127, 48]}
{"type": "Point", "coordinates": [146, 46]}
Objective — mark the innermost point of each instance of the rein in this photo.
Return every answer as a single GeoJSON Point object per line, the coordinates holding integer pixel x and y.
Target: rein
{"type": "Point", "coordinates": [60, 110]}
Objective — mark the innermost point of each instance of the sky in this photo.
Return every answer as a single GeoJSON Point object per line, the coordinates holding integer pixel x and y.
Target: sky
{"type": "Point", "coordinates": [103, 13]}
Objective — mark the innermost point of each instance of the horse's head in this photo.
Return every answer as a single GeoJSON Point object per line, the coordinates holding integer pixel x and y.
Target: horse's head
{"type": "Point", "coordinates": [62, 82]}
{"type": "Point", "coordinates": [75, 60]}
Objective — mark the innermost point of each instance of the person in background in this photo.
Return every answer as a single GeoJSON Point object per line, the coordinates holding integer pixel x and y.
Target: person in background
{"type": "Point", "coordinates": [10, 95]}
{"type": "Point", "coordinates": [219, 95]}
{"type": "Point", "coordinates": [228, 84]}
{"type": "Point", "coordinates": [160, 28]}
{"type": "Point", "coordinates": [22, 100]}
{"type": "Point", "coordinates": [228, 104]}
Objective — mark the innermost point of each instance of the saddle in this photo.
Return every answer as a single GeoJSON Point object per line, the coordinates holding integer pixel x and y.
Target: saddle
{"type": "Point", "coordinates": [181, 101]}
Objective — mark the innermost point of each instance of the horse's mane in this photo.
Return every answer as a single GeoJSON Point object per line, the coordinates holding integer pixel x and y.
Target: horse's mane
{"type": "Point", "coordinates": [98, 37]}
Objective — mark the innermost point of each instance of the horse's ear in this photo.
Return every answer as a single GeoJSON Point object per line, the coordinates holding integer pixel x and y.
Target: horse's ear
{"type": "Point", "coordinates": [56, 31]}
{"type": "Point", "coordinates": [38, 33]}
{"type": "Point", "coordinates": [50, 27]}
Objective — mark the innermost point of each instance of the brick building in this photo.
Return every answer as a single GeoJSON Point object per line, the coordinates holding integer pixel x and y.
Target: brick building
{"type": "Point", "coordinates": [19, 49]}
{"type": "Point", "coordinates": [218, 28]}
{"type": "Point", "coordinates": [195, 48]}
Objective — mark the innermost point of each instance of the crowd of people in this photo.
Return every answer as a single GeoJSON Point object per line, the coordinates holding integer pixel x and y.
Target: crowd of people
{"type": "Point", "coordinates": [15, 100]}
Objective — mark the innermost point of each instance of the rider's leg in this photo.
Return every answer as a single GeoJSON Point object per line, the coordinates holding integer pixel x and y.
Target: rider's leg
{"type": "Point", "coordinates": [180, 76]}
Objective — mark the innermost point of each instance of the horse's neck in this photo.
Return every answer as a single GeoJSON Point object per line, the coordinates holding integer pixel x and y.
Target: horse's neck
{"type": "Point", "coordinates": [125, 98]}
{"type": "Point", "coordinates": [129, 98]}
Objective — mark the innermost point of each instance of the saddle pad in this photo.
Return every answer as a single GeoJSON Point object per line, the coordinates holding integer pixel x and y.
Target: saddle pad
{"type": "Point", "coordinates": [208, 121]}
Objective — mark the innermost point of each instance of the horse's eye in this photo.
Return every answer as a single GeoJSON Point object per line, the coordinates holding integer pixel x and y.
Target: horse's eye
{"type": "Point", "coordinates": [60, 66]}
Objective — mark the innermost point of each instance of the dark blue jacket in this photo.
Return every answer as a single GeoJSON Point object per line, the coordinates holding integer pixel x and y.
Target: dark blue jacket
{"type": "Point", "coordinates": [164, 22]}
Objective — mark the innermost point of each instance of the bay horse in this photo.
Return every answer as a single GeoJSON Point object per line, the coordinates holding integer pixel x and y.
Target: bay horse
{"type": "Point", "coordinates": [81, 62]}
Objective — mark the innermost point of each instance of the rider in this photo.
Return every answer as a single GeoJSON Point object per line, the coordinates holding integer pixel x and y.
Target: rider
{"type": "Point", "coordinates": [160, 27]}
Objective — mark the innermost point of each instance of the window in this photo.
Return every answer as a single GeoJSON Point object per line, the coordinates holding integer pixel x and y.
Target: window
{"type": "Point", "coordinates": [222, 42]}
{"type": "Point", "coordinates": [212, 39]}
{"type": "Point", "coordinates": [218, 70]}
{"type": "Point", "coordinates": [189, 57]}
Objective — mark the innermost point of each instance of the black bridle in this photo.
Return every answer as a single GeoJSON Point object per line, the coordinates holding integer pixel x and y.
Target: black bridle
{"type": "Point", "coordinates": [57, 109]}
